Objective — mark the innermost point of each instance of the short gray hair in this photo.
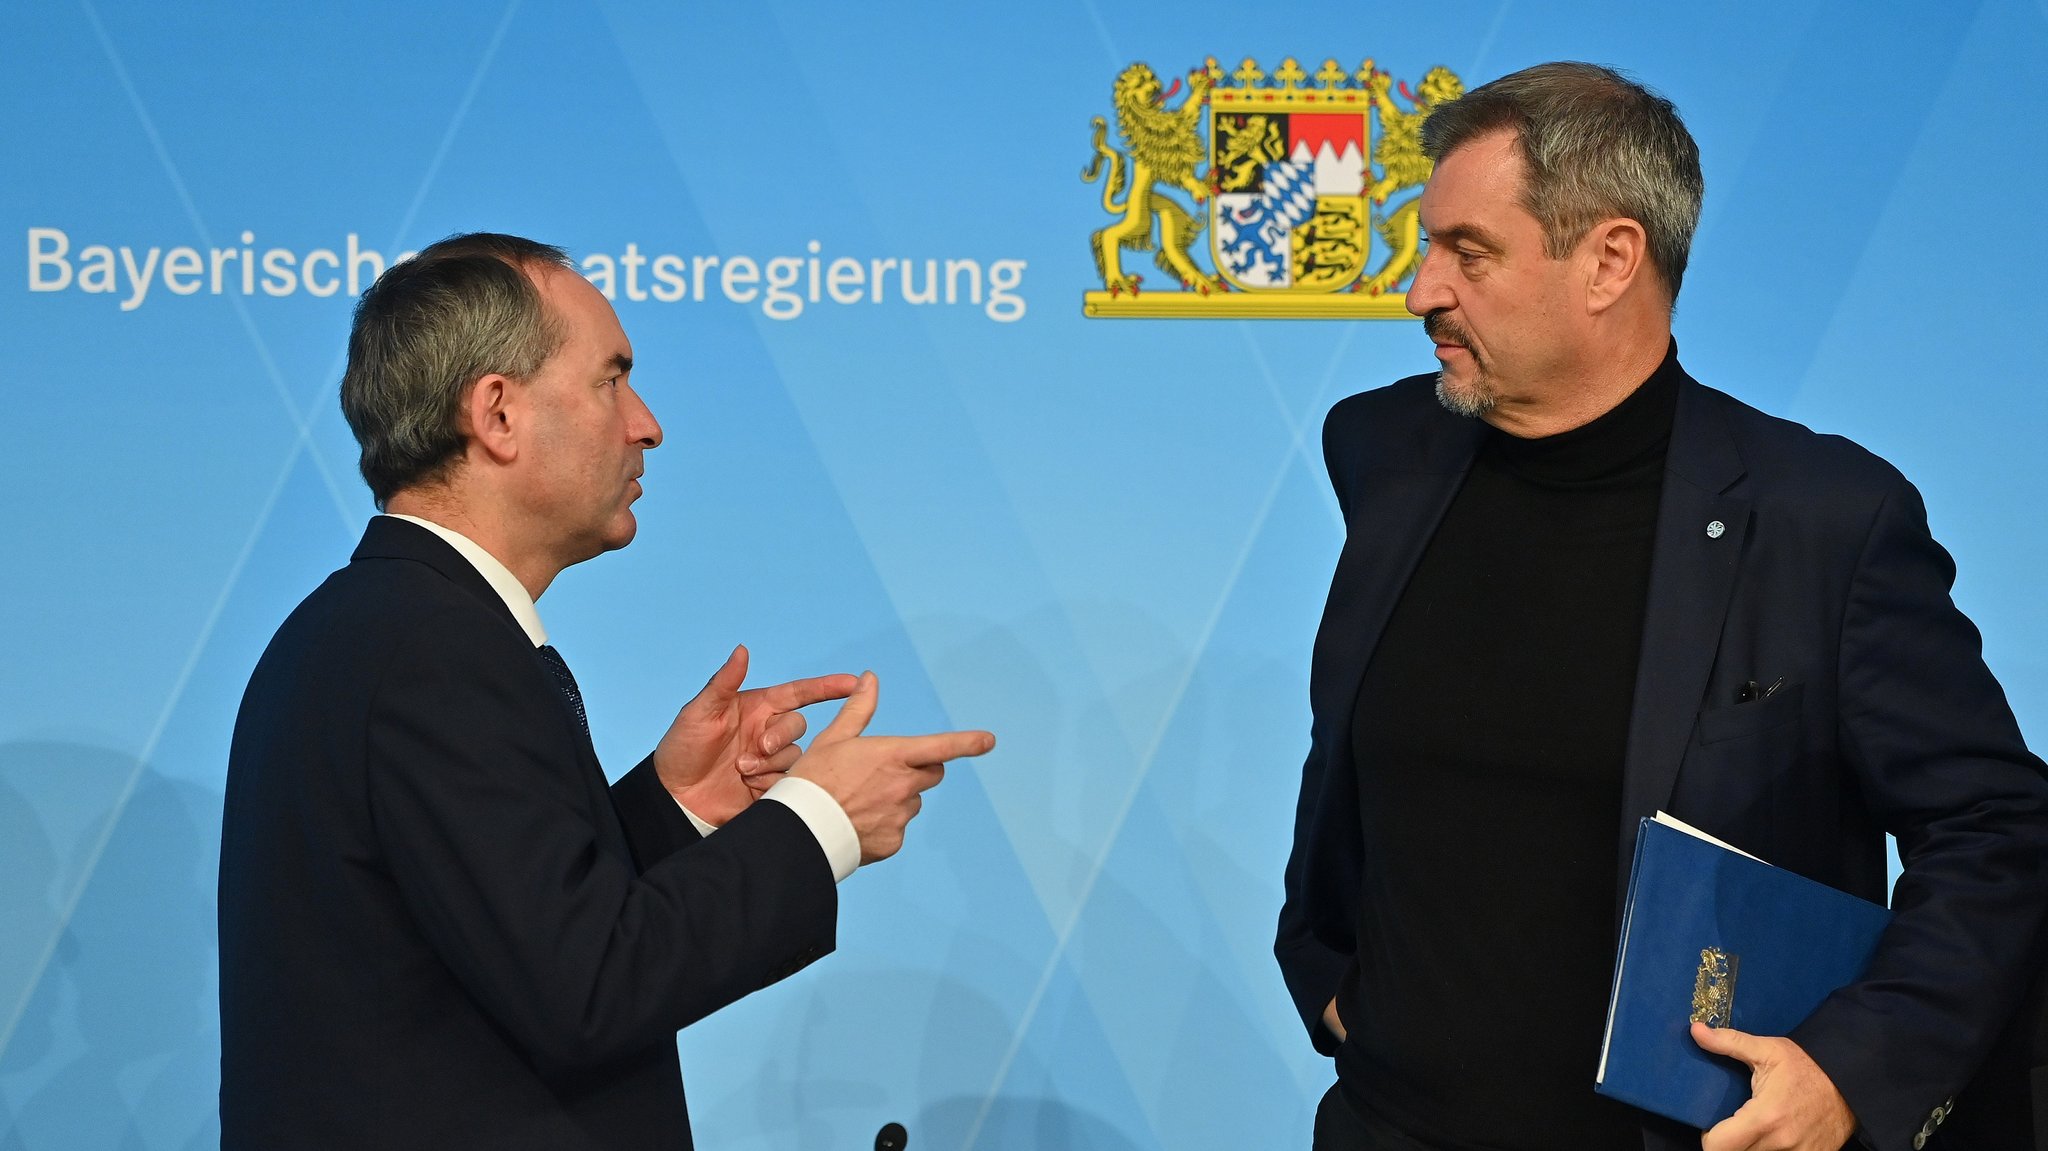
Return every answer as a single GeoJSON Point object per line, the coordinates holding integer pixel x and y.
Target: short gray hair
{"type": "Point", "coordinates": [429, 328]}
{"type": "Point", "coordinates": [1597, 145]}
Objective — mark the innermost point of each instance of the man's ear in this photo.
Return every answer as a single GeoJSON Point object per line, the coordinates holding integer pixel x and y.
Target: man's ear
{"type": "Point", "coordinates": [488, 410]}
{"type": "Point", "coordinates": [1617, 255]}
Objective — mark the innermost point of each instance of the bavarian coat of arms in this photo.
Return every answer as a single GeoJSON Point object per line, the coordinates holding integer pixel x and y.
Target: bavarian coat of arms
{"type": "Point", "coordinates": [1300, 191]}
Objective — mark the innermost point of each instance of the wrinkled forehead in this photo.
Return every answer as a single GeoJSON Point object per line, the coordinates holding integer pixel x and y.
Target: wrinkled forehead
{"type": "Point", "coordinates": [1485, 164]}
{"type": "Point", "coordinates": [1477, 184]}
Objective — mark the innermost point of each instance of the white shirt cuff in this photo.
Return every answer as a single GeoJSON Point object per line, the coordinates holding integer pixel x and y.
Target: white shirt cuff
{"type": "Point", "coordinates": [826, 819]}
{"type": "Point", "coordinates": [703, 827]}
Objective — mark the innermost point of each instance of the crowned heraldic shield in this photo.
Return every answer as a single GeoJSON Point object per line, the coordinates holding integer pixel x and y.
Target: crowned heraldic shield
{"type": "Point", "coordinates": [1300, 192]}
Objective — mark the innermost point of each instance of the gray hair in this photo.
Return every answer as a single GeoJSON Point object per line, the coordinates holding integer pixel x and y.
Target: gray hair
{"type": "Point", "coordinates": [429, 328]}
{"type": "Point", "coordinates": [1597, 145]}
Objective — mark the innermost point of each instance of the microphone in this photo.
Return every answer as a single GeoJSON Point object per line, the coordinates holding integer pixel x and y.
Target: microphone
{"type": "Point", "coordinates": [892, 1137]}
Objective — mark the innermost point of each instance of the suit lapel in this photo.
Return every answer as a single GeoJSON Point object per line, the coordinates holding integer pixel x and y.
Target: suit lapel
{"type": "Point", "coordinates": [387, 537]}
{"type": "Point", "coordinates": [1390, 522]}
{"type": "Point", "coordinates": [1693, 564]}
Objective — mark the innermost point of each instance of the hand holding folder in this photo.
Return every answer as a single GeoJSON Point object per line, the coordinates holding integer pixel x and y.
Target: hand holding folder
{"type": "Point", "coordinates": [1793, 1102]}
{"type": "Point", "coordinates": [1714, 935]}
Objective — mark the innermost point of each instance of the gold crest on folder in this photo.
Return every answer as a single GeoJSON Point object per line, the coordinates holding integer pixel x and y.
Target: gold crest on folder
{"type": "Point", "coordinates": [1713, 987]}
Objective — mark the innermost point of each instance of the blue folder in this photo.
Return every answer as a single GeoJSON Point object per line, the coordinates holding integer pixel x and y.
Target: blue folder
{"type": "Point", "coordinates": [1712, 933]}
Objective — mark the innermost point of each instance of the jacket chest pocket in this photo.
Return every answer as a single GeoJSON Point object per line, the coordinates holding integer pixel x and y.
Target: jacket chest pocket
{"type": "Point", "coordinates": [1778, 710]}
{"type": "Point", "coordinates": [1741, 777]}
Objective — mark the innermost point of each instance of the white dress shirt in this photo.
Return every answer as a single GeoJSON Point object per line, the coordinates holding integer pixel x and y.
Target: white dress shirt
{"type": "Point", "coordinates": [812, 804]}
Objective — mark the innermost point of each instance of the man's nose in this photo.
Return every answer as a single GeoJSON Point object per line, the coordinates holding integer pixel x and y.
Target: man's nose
{"type": "Point", "coordinates": [641, 425]}
{"type": "Point", "coordinates": [1429, 292]}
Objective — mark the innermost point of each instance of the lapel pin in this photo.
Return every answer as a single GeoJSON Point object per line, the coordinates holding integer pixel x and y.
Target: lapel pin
{"type": "Point", "coordinates": [1715, 528]}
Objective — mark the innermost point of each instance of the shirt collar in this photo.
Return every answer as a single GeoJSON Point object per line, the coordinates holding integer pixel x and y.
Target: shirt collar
{"type": "Point", "coordinates": [496, 574]}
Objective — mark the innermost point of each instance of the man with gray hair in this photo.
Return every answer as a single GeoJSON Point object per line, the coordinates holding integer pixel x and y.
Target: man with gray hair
{"type": "Point", "coordinates": [1577, 588]}
{"type": "Point", "coordinates": [440, 927]}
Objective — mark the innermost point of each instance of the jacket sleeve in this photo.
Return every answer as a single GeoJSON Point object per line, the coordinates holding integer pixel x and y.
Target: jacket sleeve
{"type": "Point", "coordinates": [1311, 967]}
{"type": "Point", "coordinates": [1940, 760]}
{"type": "Point", "coordinates": [495, 833]}
{"type": "Point", "coordinates": [655, 824]}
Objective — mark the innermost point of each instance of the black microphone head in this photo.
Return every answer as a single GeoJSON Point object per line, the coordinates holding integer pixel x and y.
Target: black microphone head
{"type": "Point", "coordinates": [892, 1137]}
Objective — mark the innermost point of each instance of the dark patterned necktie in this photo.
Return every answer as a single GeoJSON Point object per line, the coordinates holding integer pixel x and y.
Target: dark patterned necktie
{"type": "Point", "coordinates": [566, 682]}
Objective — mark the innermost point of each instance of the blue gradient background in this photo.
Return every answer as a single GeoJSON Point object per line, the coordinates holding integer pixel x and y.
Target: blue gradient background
{"type": "Point", "coordinates": [1108, 541]}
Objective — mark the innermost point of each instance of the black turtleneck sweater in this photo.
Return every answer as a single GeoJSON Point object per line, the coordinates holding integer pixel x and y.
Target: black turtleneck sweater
{"type": "Point", "coordinates": [1488, 735]}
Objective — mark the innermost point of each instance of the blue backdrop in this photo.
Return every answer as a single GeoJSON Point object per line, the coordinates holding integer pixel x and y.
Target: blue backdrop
{"type": "Point", "coordinates": [1108, 540]}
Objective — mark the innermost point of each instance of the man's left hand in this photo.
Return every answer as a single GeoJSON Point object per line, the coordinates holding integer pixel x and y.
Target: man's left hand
{"type": "Point", "coordinates": [727, 746]}
{"type": "Point", "coordinates": [1793, 1105]}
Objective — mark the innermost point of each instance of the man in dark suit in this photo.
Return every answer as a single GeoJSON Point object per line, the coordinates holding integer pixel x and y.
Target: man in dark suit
{"type": "Point", "coordinates": [1578, 587]}
{"type": "Point", "coordinates": [439, 926]}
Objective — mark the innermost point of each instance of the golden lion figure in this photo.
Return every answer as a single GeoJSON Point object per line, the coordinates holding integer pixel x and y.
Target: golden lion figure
{"type": "Point", "coordinates": [1403, 166]}
{"type": "Point", "coordinates": [1164, 146]}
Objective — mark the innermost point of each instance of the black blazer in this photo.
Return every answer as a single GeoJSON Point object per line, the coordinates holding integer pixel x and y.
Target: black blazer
{"type": "Point", "coordinates": [1822, 574]}
{"type": "Point", "coordinates": [439, 927]}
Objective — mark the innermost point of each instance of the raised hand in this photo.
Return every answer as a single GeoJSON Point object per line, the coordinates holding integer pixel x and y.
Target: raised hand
{"type": "Point", "coordinates": [728, 745]}
{"type": "Point", "coordinates": [879, 779]}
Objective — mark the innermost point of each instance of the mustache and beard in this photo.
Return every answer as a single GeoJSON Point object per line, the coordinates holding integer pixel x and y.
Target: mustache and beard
{"type": "Point", "coordinates": [1470, 399]}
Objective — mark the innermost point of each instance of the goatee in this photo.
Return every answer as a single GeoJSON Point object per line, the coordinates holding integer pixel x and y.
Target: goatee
{"type": "Point", "coordinates": [1478, 398]}
{"type": "Point", "coordinates": [1476, 402]}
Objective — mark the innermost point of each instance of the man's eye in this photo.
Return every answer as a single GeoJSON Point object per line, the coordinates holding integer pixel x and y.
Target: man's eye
{"type": "Point", "coordinates": [612, 381]}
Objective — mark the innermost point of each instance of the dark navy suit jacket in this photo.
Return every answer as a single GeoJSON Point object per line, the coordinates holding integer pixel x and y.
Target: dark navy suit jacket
{"type": "Point", "coordinates": [1821, 574]}
{"type": "Point", "coordinates": [439, 926]}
